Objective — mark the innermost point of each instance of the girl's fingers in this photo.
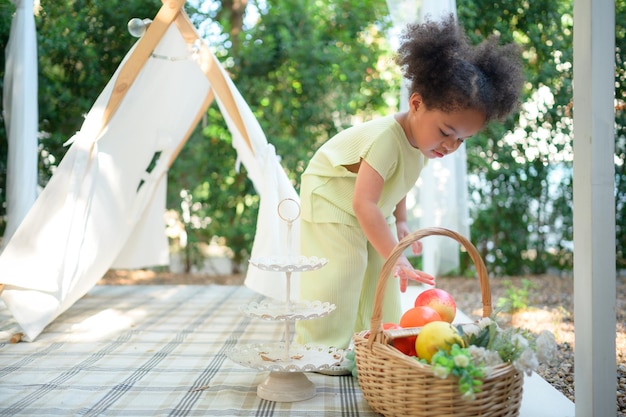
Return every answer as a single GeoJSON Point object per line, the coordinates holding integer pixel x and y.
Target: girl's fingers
{"type": "Point", "coordinates": [424, 278]}
{"type": "Point", "coordinates": [428, 280]}
{"type": "Point", "coordinates": [413, 275]}
{"type": "Point", "coordinates": [402, 275]}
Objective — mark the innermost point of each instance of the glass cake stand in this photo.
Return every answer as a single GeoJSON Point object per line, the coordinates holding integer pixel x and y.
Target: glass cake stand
{"type": "Point", "coordinates": [287, 362]}
{"type": "Point", "coordinates": [287, 381]}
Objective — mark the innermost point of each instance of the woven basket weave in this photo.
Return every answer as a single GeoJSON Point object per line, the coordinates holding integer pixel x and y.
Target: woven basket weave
{"type": "Point", "coordinates": [395, 384]}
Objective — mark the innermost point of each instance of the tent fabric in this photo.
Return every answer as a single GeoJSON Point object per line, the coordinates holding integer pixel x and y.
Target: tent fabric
{"type": "Point", "coordinates": [20, 116]}
{"type": "Point", "coordinates": [104, 206]}
{"type": "Point", "coordinates": [273, 235]}
{"type": "Point", "coordinates": [91, 208]}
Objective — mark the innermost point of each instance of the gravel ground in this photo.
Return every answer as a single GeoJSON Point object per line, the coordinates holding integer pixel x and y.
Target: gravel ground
{"type": "Point", "coordinates": [548, 305]}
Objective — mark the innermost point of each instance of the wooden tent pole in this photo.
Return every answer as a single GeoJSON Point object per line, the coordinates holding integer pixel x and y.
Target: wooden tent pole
{"type": "Point", "coordinates": [190, 35]}
{"type": "Point", "coordinates": [172, 11]}
{"type": "Point", "coordinates": [128, 73]}
{"type": "Point", "coordinates": [169, 12]}
{"type": "Point", "coordinates": [215, 76]}
{"type": "Point", "coordinates": [218, 83]}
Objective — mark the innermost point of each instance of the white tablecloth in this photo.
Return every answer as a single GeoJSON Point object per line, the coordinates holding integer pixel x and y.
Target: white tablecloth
{"type": "Point", "coordinates": [153, 351]}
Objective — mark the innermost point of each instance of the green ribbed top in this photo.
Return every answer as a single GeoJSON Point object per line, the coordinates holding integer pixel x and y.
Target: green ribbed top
{"type": "Point", "coordinates": [327, 186]}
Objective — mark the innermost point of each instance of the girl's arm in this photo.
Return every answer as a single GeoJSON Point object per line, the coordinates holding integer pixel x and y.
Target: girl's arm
{"type": "Point", "coordinates": [402, 226]}
{"type": "Point", "coordinates": [367, 191]}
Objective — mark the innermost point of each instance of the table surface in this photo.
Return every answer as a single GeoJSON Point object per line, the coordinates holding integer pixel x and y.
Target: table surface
{"type": "Point", "coordinates": [161, 351]}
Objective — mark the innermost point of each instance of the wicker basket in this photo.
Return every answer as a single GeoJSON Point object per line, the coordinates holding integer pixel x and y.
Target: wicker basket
{"type": "Point", "coordinates": [395, 384]}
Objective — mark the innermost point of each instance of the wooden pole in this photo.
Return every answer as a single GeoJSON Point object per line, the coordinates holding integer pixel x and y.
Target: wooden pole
{"type": "Point", "coordinates": [128, 73]}
{"type": "Point", "coordinates": [594, 207]}
{"type": "Point", "coordinates": [215, 76]}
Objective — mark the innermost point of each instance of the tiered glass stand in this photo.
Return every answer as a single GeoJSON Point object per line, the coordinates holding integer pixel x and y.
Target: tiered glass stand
{"type": "Point", "coordinates": [286, 361]}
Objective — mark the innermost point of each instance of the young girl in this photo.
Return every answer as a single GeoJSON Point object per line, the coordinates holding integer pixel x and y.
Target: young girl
{"type": "Point", "coordinates": [354, 188]}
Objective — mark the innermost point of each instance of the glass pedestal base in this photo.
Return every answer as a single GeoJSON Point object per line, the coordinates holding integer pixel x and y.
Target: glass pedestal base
{"type": "Point", "coordinates": [286, 387]}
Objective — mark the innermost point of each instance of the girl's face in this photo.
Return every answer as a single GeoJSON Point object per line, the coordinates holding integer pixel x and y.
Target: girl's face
{"type": "Point", "coordinates": [437, 133]}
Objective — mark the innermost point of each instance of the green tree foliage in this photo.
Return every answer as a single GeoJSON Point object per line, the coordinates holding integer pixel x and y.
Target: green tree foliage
{"type": "Point", "coordinates": [519, 219]}
{"type": "Point", "coordinates": [522, 192]}
{"type": "Point", "coordinates": [305, 68]}
{"type": "Point", "coordinates": [308, 69]}
{"type": "Point", "coordinates": [80, 43]}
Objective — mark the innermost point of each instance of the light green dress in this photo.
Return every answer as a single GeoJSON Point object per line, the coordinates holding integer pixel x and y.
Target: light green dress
{"type": "Point", "coordinates": [330, 229]}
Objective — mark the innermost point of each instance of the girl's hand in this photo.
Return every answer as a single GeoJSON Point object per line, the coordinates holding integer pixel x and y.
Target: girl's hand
{"type": "Point", "coordinates": [405, 271]}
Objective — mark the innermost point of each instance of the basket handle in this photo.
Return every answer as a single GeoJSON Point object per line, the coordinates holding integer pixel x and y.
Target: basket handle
{"type": "Point", "coordinates": [376, 328]}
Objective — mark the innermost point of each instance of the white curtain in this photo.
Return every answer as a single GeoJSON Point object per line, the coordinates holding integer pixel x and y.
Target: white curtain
{"type": "Point", "coordinates": [440, 196]}
{"type": "Point", "coordinates": [21, 116]}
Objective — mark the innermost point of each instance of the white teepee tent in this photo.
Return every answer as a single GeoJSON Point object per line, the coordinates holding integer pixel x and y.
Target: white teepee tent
{"type": "Point", "coordinates": [103, 207]}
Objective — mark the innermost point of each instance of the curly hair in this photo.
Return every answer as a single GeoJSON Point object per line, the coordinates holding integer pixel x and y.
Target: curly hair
{"type": "Point", "coordinates": [450, 74]}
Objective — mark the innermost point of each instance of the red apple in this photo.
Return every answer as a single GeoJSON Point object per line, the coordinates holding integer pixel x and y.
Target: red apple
{"type": "Point", "coordinates": [419, 316]}
{"type": "Point", "coordinates": [386, 326]}
{"type": "Point", "coordinates": [406, 345]}
{"type": "Point", "coordinates": [439, 300]}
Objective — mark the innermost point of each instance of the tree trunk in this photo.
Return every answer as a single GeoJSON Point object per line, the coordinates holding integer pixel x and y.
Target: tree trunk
{"type": "Point", "coordinates": [231, 14]}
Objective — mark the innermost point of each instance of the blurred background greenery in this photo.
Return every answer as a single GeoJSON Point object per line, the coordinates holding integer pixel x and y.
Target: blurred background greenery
{"type": "Point", "coordinates": [311, 68]}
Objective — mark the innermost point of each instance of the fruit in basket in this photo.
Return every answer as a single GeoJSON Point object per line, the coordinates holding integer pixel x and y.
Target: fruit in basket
{"type": "Point", "coordinates": [414, 317]}
{"type": "Point", "coordinates": [406, 345]}
{"type": "Point", "coordinates": [419, 316]}
{"type": "Point", "coordinates": [439, 300]}
{"type": "Point", "coordinates": [434, 336]}
{"type": "Point", "coordinates": [386, 326]}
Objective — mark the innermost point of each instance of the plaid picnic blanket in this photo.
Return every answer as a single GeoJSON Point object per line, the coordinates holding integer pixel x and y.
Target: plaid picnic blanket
{"type": "Point", "coordinates": [154, 351]}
